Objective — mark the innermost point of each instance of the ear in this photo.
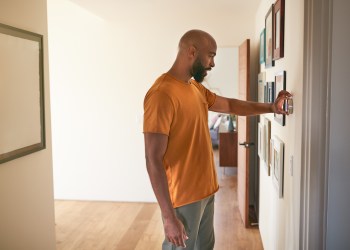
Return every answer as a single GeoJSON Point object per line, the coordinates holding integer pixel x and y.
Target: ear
{"type": "Point", "coordinates": [192, 51]}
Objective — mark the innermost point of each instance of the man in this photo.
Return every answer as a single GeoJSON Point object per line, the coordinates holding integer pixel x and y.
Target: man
{"type": "Point", "coordinates": [178, 148]}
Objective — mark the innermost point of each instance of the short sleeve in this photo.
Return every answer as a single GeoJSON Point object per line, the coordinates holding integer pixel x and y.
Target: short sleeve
{"type": "Point", "coordinates": [158, 113]}
{"type": "Point", "coordinates": [209, 96]}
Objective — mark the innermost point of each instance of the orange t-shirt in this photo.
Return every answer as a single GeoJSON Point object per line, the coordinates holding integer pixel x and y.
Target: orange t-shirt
{"type": "Point", "coordinates": [180, 110]}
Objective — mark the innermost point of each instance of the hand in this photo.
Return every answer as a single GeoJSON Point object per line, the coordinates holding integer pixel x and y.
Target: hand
{"type": "Point", "coordinates": [278, 105]}
{"type": "Point", "coordinates": [175, 232]}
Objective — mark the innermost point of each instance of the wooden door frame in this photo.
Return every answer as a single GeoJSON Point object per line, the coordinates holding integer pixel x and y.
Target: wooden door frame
{"type": "Point", "coordinates": [244, 208]}
{"type": "Point", "coordinates": [315, 125]}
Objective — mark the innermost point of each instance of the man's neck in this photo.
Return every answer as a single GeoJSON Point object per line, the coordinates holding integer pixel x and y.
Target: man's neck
{"type": "Point", "coordinates": [178, 74]}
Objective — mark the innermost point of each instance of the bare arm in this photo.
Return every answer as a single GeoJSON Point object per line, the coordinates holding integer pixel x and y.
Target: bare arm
{"type": "Point", "coordinates": [155, 148]}
{"type": "Point", "coordinates": [245, 108]}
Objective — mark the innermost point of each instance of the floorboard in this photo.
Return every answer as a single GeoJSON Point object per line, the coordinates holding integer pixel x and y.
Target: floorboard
{"type": "Point", "coordinates": [86, 225]}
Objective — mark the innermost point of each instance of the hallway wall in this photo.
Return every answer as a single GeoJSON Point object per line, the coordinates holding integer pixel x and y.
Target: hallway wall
{"type": "Point", "coordinates": [26, 183]}
{"type": "Point", "coordinates": [103, 59]}
{"type": "Point", "coordinates": [279, 217]}
{"type": "Point", "coordinates": [338, 219]}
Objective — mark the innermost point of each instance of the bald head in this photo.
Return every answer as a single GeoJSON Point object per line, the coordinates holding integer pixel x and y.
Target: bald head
{"type": "Point", "coordinates": [197, 38]}
{"type": "Point", "coordinates": [195, 57]}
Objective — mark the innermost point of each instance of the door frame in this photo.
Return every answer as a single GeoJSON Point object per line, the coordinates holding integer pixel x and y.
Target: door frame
{"type": "Point", "coordinates": [316, 123]}
{"type": "Point", "coordinates": [243, 174]}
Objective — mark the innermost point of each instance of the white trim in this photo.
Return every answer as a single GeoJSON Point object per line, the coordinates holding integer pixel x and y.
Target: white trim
{"type": "Point", "coordinates": [315, 126]}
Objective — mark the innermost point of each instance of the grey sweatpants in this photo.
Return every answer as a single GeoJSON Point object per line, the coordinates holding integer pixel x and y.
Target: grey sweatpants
{"type": "Point", "coordinates": [198, 220]}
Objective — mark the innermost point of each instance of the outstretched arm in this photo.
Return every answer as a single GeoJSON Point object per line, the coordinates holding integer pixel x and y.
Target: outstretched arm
{"type": "Point", "coordinates": [155, 147]}
{"type": "Point", "coordinates": [245, 108]}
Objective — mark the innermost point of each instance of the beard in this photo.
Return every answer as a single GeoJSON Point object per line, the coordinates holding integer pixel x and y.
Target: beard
{"type": "Point", "coordinates": [198, 71]}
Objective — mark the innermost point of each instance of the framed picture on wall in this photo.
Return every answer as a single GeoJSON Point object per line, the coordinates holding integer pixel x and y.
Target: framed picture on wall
{"type": "Point", "coordinates": [269, 38]}
{"type": "Point", "coordinates": [277, 161]}
{"type": "Point", "coordinates": [22, 122]}
{"type": "Point", "coordinates": [262, 47]}
{"type": "Point", "coordinates": [267, 138]}
{"type": "Point", "coordinates": [261, 141]}
{"type": "Point", "coordinates": [261, 86]}
{"type": "Point", "coordinates": [278, 30]}
{"type": "Point", "coordinates": [270, 92]}
{"type": "Point", "coordinates": [280, 84]}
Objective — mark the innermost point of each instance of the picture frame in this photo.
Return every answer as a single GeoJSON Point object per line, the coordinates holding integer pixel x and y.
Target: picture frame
{"type": "Point", "coordinates": [280, 84]}
{"type": "Point", "coordinates": [278, 29]}
{"type": "Point", "coordinates": [261, 141]}
{"type": "Point", "coordinates": [261, 86]}
{"type": "Point", "coordinates": [22, 123]}
{"type": "Point", "coordinates": [267, 138]}
{"type": "Point", "coordinates": [277, 161]}
{"type": "Point", "coordinates": [262, 47]}
{"type": "Point", "coordinates": [269, 62]}
{"type": "Point", "coordinates": [270, 153]}
{"type": "Point", "coordinates": [270, 92]}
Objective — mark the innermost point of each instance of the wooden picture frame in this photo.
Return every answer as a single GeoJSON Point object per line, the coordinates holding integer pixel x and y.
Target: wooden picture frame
{"type": "Point", "coordinates": [262, 47]}
{"type": "Point", "coordinates": [267, 138]}
{"type": "Point", "coordinates": [280, 84]}
{"type": "Point", "coordinates": [277, 161]}
{"type": "Point", "coordinates": [261, 86]}
{"type": "Point", "coordinates": [278, 30]}
{"type": "Point", "coordinates": [22, 123]}
{"type": "Point", "coordinates": [269, 62]}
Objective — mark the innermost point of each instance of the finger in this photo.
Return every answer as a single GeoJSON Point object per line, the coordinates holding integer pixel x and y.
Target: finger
{"type": "Point", "coordinates": [288, 96]}
{"type": "Point", "coordinates": [171, 240]}
{"type": "Point", "coordinates": [280, 104]}
{"type": "Point", "coordinates": [184, 236]}
{"type": "Point", "coordinates": [281, 111]}
{"type": "Point", "coordinates": [175, 242]}
{"type": "Point", "coordinates": [285, 94]}
{"type": "Point", "coordinates": [180, 243]}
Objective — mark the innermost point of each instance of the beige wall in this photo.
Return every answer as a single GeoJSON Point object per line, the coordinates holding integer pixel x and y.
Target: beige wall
{"type": "Point", "coordinates": [103, 58]}
{"type": "Point", "coordinates": [26, 186]}
{"type": "Point", "coordinates": [279, 218]}
{"type": "Point", "coordinates": [224, 77]}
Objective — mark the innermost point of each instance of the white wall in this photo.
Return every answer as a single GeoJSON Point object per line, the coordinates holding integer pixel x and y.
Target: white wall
{"type": "Point", "coordinates": [102, 63]}
{"type": "Point", "coordinates": [26, 185]}
{"type": "Point", "coordinates": [338, 219]}
{"type": "Point", "coordinates": [279, 218]}
{"type": "Point", "coordinates": [223, 79]}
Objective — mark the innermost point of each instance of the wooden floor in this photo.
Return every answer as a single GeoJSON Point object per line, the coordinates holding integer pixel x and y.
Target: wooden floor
{"type": "Point", "coordinates": [127, 226]}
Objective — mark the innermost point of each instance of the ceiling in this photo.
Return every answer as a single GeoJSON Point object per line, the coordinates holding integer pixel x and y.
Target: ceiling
{"type": "Point", "coordinates": [117, 9]}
